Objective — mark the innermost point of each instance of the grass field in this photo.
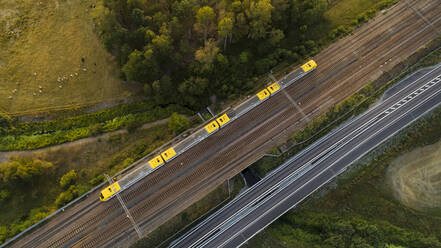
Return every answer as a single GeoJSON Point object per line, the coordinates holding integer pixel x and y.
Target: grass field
{"type": "Point", "coordinates": [343, 12]}
{"type": "Point", "coordinates": [41, 68]}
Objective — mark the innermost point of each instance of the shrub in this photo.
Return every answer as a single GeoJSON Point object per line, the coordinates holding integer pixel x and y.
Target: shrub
{"type": "Point", "coordinates": [64, 198]}
{"type": "Point", "coordinates": [95, 129]}
{"type": "Point", "coordinates": [339, 32]}
{"type": "Point", "coordinates": [132, 124]}
{"type": "Point", "coordinates": [178, 123]}
{"type": "Point", "coordinates": [22, 170]}
{"type": "Point", "coordinates": [114, 138]}
{"type": "Point", "coordinates": [68, 179]}
{"type": "Point", "coordinates": [73, 192]}
{"type": "Point", "coordinates": [4, 234]}
{"type": "Point", "coordinates": [4, 195]}
{"type": "Point", "coordinates": [97, 180]}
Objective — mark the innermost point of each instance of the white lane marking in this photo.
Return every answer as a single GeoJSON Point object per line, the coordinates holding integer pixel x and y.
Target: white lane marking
{"type": "Point", "coordinates": [315, 144]}
{"type": "Point", "coordinates": [246, 208]}
{"type": "Point", "coordinates": [410, 96]}
{"type": "Point", "coordinates": [339, 147]}
{"type": "Point", "coordinates": [260, 216]}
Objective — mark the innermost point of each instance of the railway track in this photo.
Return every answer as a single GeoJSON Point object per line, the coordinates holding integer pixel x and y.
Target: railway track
{"type": "Point", "coordinates": [197, 171]}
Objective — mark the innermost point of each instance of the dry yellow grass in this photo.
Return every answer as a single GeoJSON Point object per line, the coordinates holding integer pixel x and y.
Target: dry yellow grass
{"type": "Point", "coordinates": [42, 44]}
{"type": "Point", "coordinates": [416, 178]}
{"type": "Point", "coordinates": [344, 11]}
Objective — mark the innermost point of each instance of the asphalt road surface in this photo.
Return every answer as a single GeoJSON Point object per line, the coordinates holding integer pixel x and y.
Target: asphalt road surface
{"type": "Point", "coordinates": [303, 174]}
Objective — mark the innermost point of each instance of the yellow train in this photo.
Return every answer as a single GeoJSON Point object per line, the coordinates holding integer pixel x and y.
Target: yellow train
{"type": "Point", "coordinates": [310, 65]}
{"type": "Point", "coordinates": [209, 129]}
{"type": "Point", "coordinates": [109, 192]}
{"type": "Point", "coordinates": [161, 159]}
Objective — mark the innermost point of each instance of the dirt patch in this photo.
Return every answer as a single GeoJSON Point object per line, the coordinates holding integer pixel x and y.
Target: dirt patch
{"type": "Point", "coordinates": [415, 178]}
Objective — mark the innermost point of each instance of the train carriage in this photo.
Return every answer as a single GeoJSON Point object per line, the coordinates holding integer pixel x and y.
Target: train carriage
{"type": "Point", "coordinates": [201, 134]}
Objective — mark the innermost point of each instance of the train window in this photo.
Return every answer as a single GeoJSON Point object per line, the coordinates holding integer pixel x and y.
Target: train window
{"type": "Point", "coordinates": [110, 189]}
{"type": "Point", "coordinates": [101, 196]}
{"type": "Point", "coordinates": [223, 119]}
{"type": "Point", "coordinates": [168, 154]}
{"type": "Point", "coordinates": [262, 95]}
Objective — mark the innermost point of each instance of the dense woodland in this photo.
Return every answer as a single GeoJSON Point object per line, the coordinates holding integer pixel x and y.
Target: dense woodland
{"type": "Point", "coordinates": [185, 51]}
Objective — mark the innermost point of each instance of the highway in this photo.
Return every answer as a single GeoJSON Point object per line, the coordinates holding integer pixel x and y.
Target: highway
{"type": "Point", "coordinates": [344, 67]}
{"type": "Point", "coordinates": [306, 172]}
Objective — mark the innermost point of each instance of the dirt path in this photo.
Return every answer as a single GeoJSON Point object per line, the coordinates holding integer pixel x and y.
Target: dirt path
{"type": "Point", "coordinates": [416, 177]}
{"type": "Point", "coordinates": [4, 155]}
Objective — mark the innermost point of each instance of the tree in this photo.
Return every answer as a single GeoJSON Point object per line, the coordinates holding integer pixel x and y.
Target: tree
{"type": "Point", "coordinates": [163, 44]}
{"type": "Point", "coordinates": [70, 194]}
{"type": "Point", "coordinates": [260, 15]}
{"type": "Point", "coordinates": [23, 170]}
{"type": "Point", "coordinates": [178, 123]}
{"type": "Point", "coordinates": [280, 16]}
{"type": "Point", "coordinates": [194, 91]}
{"type": "Point", "coordinates": [225, 29]}
{"type": "Point", "coordinates": [183, 9]}
{"type": "Point", "coordinates": [236, 6]}
{"type": "Point", "coordinates": [141, 67]}
{"type": "Point", "coordinates": [133, 69]}
{"type": "Point", "coordinates": [244, 57]}
{"type": "Point", "coordinates": [163, 90]}
{"type": "Point", "coordinates": [276, 36]}
{"type": "Point", "coordinates": [68, 179]}
{"type": "Point", "coordinates": [307, 12]}
{"type": "Point", "coordinates": [132, 124]}
{"type": "Point", "coordinates": [4, 195]}
{"type": "Point", "coordinates": [205, 17]}
{"type": "Point", "coordinates": [137, 17]}
{"type": "Point", "coordinates": [207, 54]}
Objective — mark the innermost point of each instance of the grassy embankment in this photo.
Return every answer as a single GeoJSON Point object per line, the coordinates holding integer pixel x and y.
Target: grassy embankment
{"type": "Point", "coordinates": [53, 44]}
{"type": "Point", "coordinates": [16, 135]}
{"type": "Point", "coordinates": [362, 211]}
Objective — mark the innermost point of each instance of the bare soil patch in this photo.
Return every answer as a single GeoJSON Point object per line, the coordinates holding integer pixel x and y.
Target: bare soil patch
{"type": "Point", "coordinates": [416, 178]}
